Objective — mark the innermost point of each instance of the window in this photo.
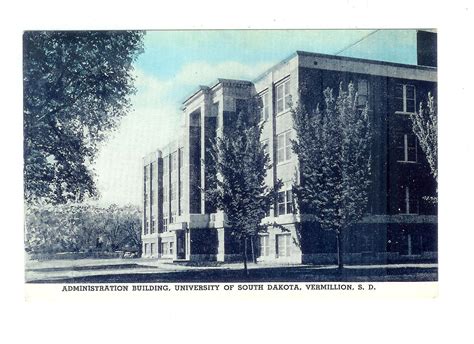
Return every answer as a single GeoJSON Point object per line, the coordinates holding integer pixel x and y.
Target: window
{"type": "Point", "coordinates": [165, 224]}
{"type": "Point", "coordinates": [362, 93]}
{"type": "Point", "coordinates": [164, 248]}
{"type": "Point", "coordinates": [285, 202]}
{"type": "Point", "coordinates": [407, 203]}
{"type": "Point", "coordinates": [407, 148]}
{"type": "Point", "coordinates": [147, 226]}
{"type": "Point", "coordinates": [284, 151]}
{"type": "Point", "coordinates": [145, 249]}
{"type": "Point", "coordinates": [283, 97]}
{"type": "Point", "coordinates": [171, 250]}
{"type": "Point", "coordinates": [264, 106]}
{"type": "Point", "coordinates": [405, 98]}
{"type": "Point", "coordinates": [152, 228]}
{"type": "Point", "coordinates": [283, 245]}
{"type": "Point", "coordinates": [264, 245]}
{"type": "Point", "coordinates": [152, 249]}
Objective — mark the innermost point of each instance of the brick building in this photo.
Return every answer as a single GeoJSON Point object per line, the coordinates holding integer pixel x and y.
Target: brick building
{"type": "Point", "coordinates": [178, 224]}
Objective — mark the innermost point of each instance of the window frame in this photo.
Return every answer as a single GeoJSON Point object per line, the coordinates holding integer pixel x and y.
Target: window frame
{"type": "Point", "coordinates": [285, 87]}
{"type": "Point", "coordinates": [409, 203]}
{"type": "Point", "coordinates": [264, 114]}
{"type": "Point", "coordinates": [405, 99]}
{"type": "Point", "coordinates": [287, 147]}
{"type": "Point", "coordinates": [287, 246]}
{"type": "Point", "coordinates": [264, 247]}
{"type": "Point", "coordinates": [406, 149]}
{"type": "Point", "coordinates": [287, 202]}
{"type": "Point", "coordinates": [366, 95]}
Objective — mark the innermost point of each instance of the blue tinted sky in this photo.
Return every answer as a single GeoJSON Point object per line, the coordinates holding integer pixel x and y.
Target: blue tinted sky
{"type": "Point", "coordinates": [176, 62]}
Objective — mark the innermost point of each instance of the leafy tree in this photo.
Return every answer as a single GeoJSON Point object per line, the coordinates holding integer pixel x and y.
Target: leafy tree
{"type": "Point", "coordinates": [333, 145]}
{"type": "Point", "coordinates": [76, 88]}
{"type": "Point", "coordinates": [239, 165]}
{"type": "Point", "coordinates": [425, 127]}
{"type": "Point", "coordinates": [80, 228]}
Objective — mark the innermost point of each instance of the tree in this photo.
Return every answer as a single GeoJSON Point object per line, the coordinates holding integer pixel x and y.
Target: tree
{"type": "Point", "coordinates": [239, 164]}
{"type": "Point", "coordinates": [333, 146]}
{"type": "Point", "coordinates": [425, 127]}
{"type": "Point", "coordinates": [76, 89]}
{"type": "Point", "coordinates": [79, 227]}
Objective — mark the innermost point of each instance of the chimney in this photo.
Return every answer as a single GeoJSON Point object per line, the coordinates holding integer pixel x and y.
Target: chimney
{"type": "Point", "coordinates": [427, 48]}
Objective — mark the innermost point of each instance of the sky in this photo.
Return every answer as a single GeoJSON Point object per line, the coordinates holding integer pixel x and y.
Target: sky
{"type": "Point", "coordinates": [175, 63]}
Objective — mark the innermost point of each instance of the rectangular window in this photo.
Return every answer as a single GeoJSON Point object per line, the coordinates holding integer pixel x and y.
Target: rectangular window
{"type": "Point", "coordinates": [284, 150]}
{"type": "Point", "coordinates": [283, 97]}
{"type": "Point", "coordinates": [405, 98]}
{"type": "Point", "coordinates": [285, 202]}
{"type": "Point", "coordinates": [152, 228]}
{"type": "Point", "coordinates": [165, 224]}
{"type": "Point", "coordinates": [145, 250]}
{"type": "Point", "coordinates": [283, 245]}
{"type": "Point", "coordinates": [362, 93]}
{"type": "Point", "coordinates": [152, 249]}
{"type": "Point", "coordinates": [264, 245]}
{"type": "Point", "coordinates": [407, 148]}
{"type": "Point", "coordinates": [147, 226]}
{"type": "Point", "coordinates": [171, 250]}
{"type": "Point", "coordinates": [407, 203]}
{"type": "Point", "coordinates": [164, 248]}
{"type": "Point", "coordinates": [264, 110]}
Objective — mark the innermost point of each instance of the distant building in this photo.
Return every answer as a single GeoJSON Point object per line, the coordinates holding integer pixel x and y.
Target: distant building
{"type": "Point", "coordinates": [178, 223]}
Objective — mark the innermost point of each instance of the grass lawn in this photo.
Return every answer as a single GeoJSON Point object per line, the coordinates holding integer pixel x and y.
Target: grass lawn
{"type": "Point", "coordinates": [151, 271]}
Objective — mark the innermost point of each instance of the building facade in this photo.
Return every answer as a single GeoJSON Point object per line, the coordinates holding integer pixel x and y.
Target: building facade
{"type": "Point", "coordinates": [179, 224]}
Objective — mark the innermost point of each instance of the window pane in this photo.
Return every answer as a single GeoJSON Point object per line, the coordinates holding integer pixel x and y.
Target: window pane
{"type": "Point", "coordinates": [411, 152]}
{"type": "Point", "coordinates": [287, 87]}
{"type": "Point", "coordinates": [281, 155]}
{"type": "Point", "coordinates": [410, 105]}
{"type": "Point", "coordinates": [281, 208]}
{"type": "Point", "coordinates": [279, 105]}
{"type": "Point", "coordinates": [410, 91]}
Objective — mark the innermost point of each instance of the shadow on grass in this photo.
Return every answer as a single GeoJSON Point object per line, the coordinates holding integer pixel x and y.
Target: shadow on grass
{"type": "Point", "coordinates": [91, 268]}
{"type": "Point", "coordinates": [274, 274]}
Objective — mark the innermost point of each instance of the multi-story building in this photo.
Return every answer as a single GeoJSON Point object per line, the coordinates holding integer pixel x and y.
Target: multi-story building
{"type": "Point", "coordinates": [179, 224]}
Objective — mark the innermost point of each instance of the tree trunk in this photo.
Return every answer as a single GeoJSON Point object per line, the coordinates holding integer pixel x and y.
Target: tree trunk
{"type": "Point", "coordinates": [246, 272]}
{"type": "Point", "coordinates": [252, 243]}
{"type": "Point", "coordinates": [340, 264]}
